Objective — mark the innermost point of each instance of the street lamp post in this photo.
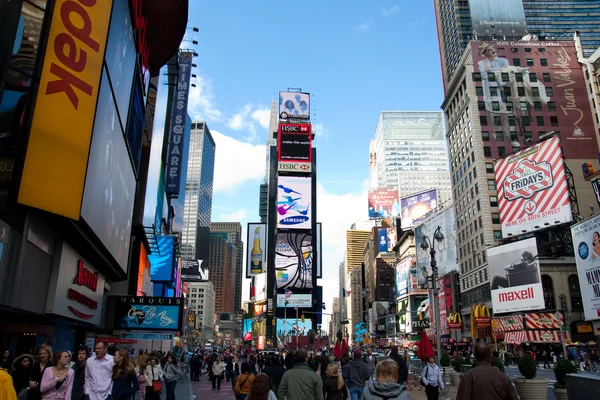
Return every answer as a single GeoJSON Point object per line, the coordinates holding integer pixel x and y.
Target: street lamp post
{"type": "Point", "coordinates": [428, 244]}
{"type": "Point", "coordinates": [285, 322]}
{"type": "Point", "coordinates": [563, 309]}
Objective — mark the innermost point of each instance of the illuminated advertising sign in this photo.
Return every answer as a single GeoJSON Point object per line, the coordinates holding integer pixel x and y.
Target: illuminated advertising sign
{"type": "Point", "coordinates": [415, 208]}
{"type": "Point", "coordinates": [294, 260]}
{"type": "Point", "coordinates": [144, 282]}
{"type": "Point", "coordinates": [402, 279]}
{"type": "Point", "coordinates": [293, 326]}
{"type": "Point", "coordinates": [148, 313]}
{"type": "Point", "coordinates": [194, 271]}
{"type": "Point", "coordinates": [179, 111]}
{"type": "Point", "coordinates": [294, 105]}
{"type": "Point", "coordinates": [586, 243]}
{"type": "Point", "coordinates": [382, 240]}
{"type": "Point", "coordinates": [498, 18]}
{"type": "Point", "coordinates": [515, 277]}
{"type": "Point", "coordinates": [161, 261]}
{"type": "Point", "coordinates": [294, 196]}
{"type": "Point", "coordinates": [319, 249]}
{"type": "Point", "coordinates": [256, 249]}
{"type": "Point", "coordinates": [292, 166]}
{"type": "Point", "coordinates": [419, 316]}
{"type": "Point", "coordinates": [383, 203]}
{"type": "Point", "coordinates": [514, 92]}
{"type": "Point", "coordinates": [532, 189]}
{"type": "Point", "coordinates": [56, 160]}
{"type": "Point", "coordinates": [294, 143]}
{"type": "Point", "coordinates": [295, 300]}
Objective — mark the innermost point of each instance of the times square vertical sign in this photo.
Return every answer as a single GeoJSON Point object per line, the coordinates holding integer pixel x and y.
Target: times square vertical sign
{"type": "Point", "coordinates": [177, 132]}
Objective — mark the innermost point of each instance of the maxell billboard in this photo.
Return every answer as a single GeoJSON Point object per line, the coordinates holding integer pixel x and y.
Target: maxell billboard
{"type": "Point", "coordinates": [515, 277]}
{"type": "Point", "coordinates": [532, 189]}
{"type": "Point", "coordinates": [294, 142]}
{"type": "Point", "coordinates": [586, 243]}
{"type": "Point", "coordinates": [179, 110]}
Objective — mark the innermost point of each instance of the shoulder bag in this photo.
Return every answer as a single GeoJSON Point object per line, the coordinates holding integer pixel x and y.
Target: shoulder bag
{"type": "Point", "coordinates": [156, 383]}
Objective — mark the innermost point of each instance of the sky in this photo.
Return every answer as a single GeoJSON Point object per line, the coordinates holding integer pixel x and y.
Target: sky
{"type": "Point", "coordinates": [356, 58]}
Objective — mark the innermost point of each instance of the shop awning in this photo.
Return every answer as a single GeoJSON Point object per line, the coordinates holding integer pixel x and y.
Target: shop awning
{"type": "Point", "coordinates": [532, 337]}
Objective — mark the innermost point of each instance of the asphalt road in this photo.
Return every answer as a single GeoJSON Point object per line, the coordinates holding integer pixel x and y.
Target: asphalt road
{"type": "Point", "coordinates": [513, 372]}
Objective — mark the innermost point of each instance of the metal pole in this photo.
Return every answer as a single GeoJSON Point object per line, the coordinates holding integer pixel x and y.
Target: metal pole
{"type": "Point", "coordinates": [434, 273]}
{"type": "Point", "coordinates": [285, 324]}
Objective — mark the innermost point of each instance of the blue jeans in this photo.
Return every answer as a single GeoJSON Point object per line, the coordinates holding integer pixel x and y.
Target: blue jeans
{"type": "Point", "coordinates": [355, 392]}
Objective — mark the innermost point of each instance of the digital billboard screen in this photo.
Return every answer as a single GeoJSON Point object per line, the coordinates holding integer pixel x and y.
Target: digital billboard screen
{"type": "Point", "coordinates": [294, 197]}
{"type": "Point", "coordinates": [194, 271]}
{"type": "Point", "coordinates": [498, 17]}
{"type": "Point", "coordinates": [294, 142]}
{"type": "Point", "coordinates": [161, 261]}
{"type": "Point", "coordinates": [383, 203]}
{"type": "Point", "coordinates": [415, 208]}
{"type": "Point", "coordinates": [294, 105]}
{"type": "Point", "coordinates": [294, 260]}
{"type": "Point", "coordinates": [148, 313]}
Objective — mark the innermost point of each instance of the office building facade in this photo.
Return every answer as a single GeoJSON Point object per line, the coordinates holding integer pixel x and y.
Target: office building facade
{"type": "Point", "coordinates": [234, 229]}
{"type": "Point", "coordinates": [202, 303]}
{"type": "Point", "coordinates": [221, 269]}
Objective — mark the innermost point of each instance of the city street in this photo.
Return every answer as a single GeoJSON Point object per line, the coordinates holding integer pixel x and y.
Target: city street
{"type": "Point", "coordinates": [513, 372]}
{"type": "Point", "coordinates": [203, 390]}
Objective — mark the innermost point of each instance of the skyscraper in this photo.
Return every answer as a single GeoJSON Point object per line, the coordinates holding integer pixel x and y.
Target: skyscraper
{"type": "Point", "coordinates": [195, 236]}
{"type": "Point", "coordinates": [410, 151]}
{"type": "Point", "coordinates": [221, 271]}
{"type": "Point", "coordinates": [458, 22]}
{"type": "Point", "coordinates": [178, 203]}
{"type": "Point", "coordinates": [234, 229]}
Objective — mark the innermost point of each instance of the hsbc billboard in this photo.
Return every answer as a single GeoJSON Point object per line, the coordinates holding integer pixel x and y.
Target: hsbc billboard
{"type": "Point", "coordinates": [292, 166]}
{"type": "Point", "coordinates": [532, 189]}
{"type": "Point", "coordinates": [294, 143]}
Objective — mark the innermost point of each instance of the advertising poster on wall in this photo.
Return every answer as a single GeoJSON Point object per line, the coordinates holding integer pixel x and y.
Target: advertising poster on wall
{"type": "Point", "coordinates": [256, 249]}
{"type": "Point", "coordinates": [194, 271]}
{"type": "Point", "coordinates": [402, 276]}
{"type": "Point", "coordinates": [443, 307]}
{"type": "Point", "coordinates": [383, 203]}
{"type": "Point", "coordinates": [295, 300]}
{"type": "Point", "coordinates": [446, 254]}
{"type": "Point", "coordinates": [382, 239]}
{"type": "Point", "coordinates": [294, 143]}
{"type": "Point", "coordinates": [161, 262]}
{"type": "Point", "coordinates": [498, 17]}
{"type": "Point", "coordinates": [515, 277]}
{"type": "Point", "coordinates": [148, 313]}
{"type": "Point", "coordinates": [512, 92]}
{"type": "Point", "coordinates": [586, 243]}
{"type": "Point", "coordinates": [294, 194]}
{"type": "Point", "coordinates": [415, 208]}
{"type": "Point", "coordinates": [532, 189]}
{"type": "Point", "coordinates": [419, 307]}
{"type": "Point", "coordinates": [294, 260]}
{"type": "Point", "coordinates": [294, 105]}
{"type": "Point", "coordinates": [319, 250]}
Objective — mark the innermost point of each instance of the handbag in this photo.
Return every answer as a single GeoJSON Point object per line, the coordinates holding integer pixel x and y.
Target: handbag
{"type": "Point", "coordinates": [23, 393]}
{"type": "Point", "coordinates": [156, 383]}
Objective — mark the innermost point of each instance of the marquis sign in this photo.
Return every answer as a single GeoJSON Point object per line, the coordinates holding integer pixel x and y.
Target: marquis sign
{"type": "Point", "coordinates": [148, 313]}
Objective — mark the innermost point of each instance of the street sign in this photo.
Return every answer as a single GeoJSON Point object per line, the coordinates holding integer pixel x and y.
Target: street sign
{"type": "Point", "coordinates": [146, 335]}
{"type": "Point", "coordinates": [345, 322]}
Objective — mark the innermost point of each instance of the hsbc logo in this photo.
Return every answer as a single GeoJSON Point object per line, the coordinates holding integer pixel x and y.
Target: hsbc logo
{"type": "Point", "coordinates": [294, 167]}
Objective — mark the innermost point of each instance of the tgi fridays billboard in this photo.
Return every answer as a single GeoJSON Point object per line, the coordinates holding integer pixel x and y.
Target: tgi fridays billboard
{"type": "Point", "coordinates": [586, 243]}
{"type": "Point", "coordinates": [532, 189]}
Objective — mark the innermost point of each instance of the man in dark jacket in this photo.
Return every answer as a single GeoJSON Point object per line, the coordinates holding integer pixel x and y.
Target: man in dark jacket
{"type": "Point", "coordinates": [356, 373]}
{"type": "Point", "coordinates": [402, 367]}
{"type": "Point", "coordinates": [275, 371]}
{"type": "Point", "coordinates": [484, 378]}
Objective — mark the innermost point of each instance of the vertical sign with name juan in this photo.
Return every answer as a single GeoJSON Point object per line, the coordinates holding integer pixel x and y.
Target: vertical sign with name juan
{"type": "Point", "coordinates": [179, 111]}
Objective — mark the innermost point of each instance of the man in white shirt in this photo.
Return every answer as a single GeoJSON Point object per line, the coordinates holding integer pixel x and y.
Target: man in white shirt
{"type": "Point", "coordinates": [432, 378]}
{"type": "Point", "coordinates": [98, 374]}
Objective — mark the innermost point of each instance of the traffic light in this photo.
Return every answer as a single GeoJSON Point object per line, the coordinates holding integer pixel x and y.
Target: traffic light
{"type": "Point", "coordinates": [302, 318]}
{"type": "Point", "coordinates": [587, 169]}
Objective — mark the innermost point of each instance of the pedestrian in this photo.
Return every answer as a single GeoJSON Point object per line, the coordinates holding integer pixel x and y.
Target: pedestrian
{"type": "Point", "coordinates": [39, 368]}
{"type": "Point", "coordinates": [545, 356]}
{"type": "Point", "coordinates": [78, 392]}
{"type": "Point", "coordinates": [431, 378]}
{"type": "Point", "coordinates": [301, 382]}
{"type": "Point", "coordinates": [172, 373]}
{"type": "Point", "coordinates": [261, 389]}
{"type": "Point", "coordinates": [98, 373]}
{"type": "Point", "coordinates": [57, 382]}
{"type": "Point", "coordinates": [402, 366]}
{"type": "Point", "coordinates": [385, 384]}
{"type": "Point", "coordinates": [218, 368]}
{"type": "Point", "coordinates": [334, 387]}
{"type": "Point", "coordinates": [124, 379]}
{"type": "Point", "coordinates": [485, 378]}
{"type": "Point", "coordinates": [139, 369]}
{"type": "Point", "coordinates": [153, 375]}
{"type": "Point", "coordinates": [371, 361]}
{"type": "Point", "coordinates": [275, 371]}
{"type": "Point", "coordinates": [244, 382]}
{"type": "Point", "coordinates": [355, 374]}
{"type": "Point", "coordinates": [22, 367]}
{"type": "Point", "coordinates": [7, 360]}
{"type": "Point", "coordinates": [7, 389]}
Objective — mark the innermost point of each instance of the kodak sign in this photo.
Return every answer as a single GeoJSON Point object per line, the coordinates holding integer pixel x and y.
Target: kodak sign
{"type": "Point", "coordinates": [61, 130]}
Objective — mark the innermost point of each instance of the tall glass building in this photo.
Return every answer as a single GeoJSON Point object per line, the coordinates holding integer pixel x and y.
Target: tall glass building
{"type": "Point", "coordinates": [410, 152]}
{"type": "Point", "coordinates": [195, 234]}
{"type": "Point", "coordinates": [179, 202]}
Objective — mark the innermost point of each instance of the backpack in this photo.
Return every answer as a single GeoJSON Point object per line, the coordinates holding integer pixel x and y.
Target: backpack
{"type": "Point", "coordinates": [425, 379]}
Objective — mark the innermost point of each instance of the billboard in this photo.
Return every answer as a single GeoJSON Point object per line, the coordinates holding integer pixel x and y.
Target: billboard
{"type": "Point", "coordinates": [56, 159]}
{"type": "Point", "coordinates": [402, 276]}
{"type": "Point", "coordinates": [319, 250]}
{"type": "Point", "coordinates": [515, 277]}
{"type": "Point", "coordinates": [513, 93]}
{"type": "Point", "coordinates": [382, 239]}
{"type": "Point", "coordinates": [498, 17]}
{"type": "Point", "coordinates": [418, 318]}
{"type": "Point", "coordinates": [294, 260]}
{"type": "Point", "coordinates": [161, 261]}
{"type": "Point", "coordinates": [294, 194]}
{"type": "Point", "coordinates": [532, 189]}
{"type": "Point", "coordinates": [383, 203]}
{"type": "Point", "coordinates": [586, 243]}
{"type": "Point", "coordinates": [446, 254]}
{"type": "Point", "coordinates": [294, 143]}
{"type": "Point", "coordinates": [110, 182]}
{"type": "Point", "coordinates": [414, 208]}
{"type": "Point", "coordinates": [179, 111]}
{"type": "Point", "coordinates": [256, 249]}
{"type": "Point", "coordinates": [293, 326]}
{"type": "Point", "coordinates": [381, 308]}
{"type": "Point", "coordinates": [194, 271]}
{"type": "Point", "coordinates": [148, 313]}
{"type": "Point", "coordinates": [295, 300]}
{"type": "Point", "coordinates": [294, 105]}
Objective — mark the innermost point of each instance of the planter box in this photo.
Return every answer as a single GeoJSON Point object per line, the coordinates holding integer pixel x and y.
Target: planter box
{"type": "Point", "coordinates": [532, 389]}
{"type": "Point", "coordinates": [560, 394]}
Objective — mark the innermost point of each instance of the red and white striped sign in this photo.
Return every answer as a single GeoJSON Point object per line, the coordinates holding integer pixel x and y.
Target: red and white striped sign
{"type": "Point", "coordinates": [514, 337]}
{"type": "Point", "coordinates": [507, 324]}
{"type": "Point", "coordinates": [542, 321]}
{"type": "Point", "coordinates": [532, 337]}
{"type": "Point", "coordinates": [532, 189]}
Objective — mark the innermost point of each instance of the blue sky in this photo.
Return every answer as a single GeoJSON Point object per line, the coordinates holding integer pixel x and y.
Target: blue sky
{"type": "Point", "coordinates": [357, 58]}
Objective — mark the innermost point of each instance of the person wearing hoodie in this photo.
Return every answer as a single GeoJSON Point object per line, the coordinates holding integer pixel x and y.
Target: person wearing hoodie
{"type": "Point", "coordinates": [385, 385]}
{"type": "Point", "coordinates": [22, 368]}
{"type": "Point", "coordinates": [371, 361]}
{"type": "Point", "coordinates": [356, 373]}
{"type": "Point", "coordinates": [402, 366]}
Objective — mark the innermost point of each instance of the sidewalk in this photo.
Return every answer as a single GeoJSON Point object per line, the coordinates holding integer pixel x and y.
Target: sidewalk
{"type": "Point", "coordinates": [450, 393]}
{"type": "Point", "coordinates": [203, 390]}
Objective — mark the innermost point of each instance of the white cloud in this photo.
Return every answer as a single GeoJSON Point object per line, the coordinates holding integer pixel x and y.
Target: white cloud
{"type": "Point", "coordinates": [320, 131]}
{"type": "Point", "coordinates": [201, 106]}
{"type": "Point", "coordinates": [234, 216]}
{"type": "Point", "coordinates": [236, 162]}
{"type": "Point", "coordinates": [262, 116]}
{"type": "Point", "coordinates": [365, 26]}
{"type": "Point", "coordinates": [389, 11]}
{"type": "Point", "coordinates": [246, 118]}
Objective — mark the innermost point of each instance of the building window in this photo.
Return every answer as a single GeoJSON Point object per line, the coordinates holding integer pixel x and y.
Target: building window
{"type": "Point", "coordinates": [535, 92]}
{"type": "Point", "coordinates": [537, 105]}
{"type": "Point", "coordinates": [530, 62]}
{"type": "Point", "coordinates": [575, 293]}
{"type": "Point", "coordinates": [495, 218]}
{"type": "Point", "coordinates": [483, 120]}
{"type": "Point", "coordinates": [516, 62]}
{"type": "Point", "coordinates": [554, 120]}
{"type": "Point", "coordinates": [497, 236]}
{"type": "Point", "coordinates": [551, 106]}
{"type": "Point", "coordinates": [501, 151]}
{"type": "Point", "coordinates": [493, 201]}
{"type": "Point", "coordinates": [521, 91]}
{"type": "Point", "coordinates": [509, 106]}
{"type": "Point", "coordinates": [547, 77]}
{"type": "Point", "coordinates": [489, 168]}
{"type": "Point", "coordinates": [476, 76]}
{"type": "Point", "coordinates": [499, 136]}
{"type": "Point", "coordinates": [487, 151]}
{"type": "Point", "coordinates": [495, 106]}
{"type": "Point", "coordinates": [548, 287]}
{"type": "Point", "coordinates": [505, 77]}
{"type": "Point", "coordinates": [526, 121]}
{"type": "Point", "coordinates": [485, 136]}
{"type": "Point", "coordinates": [519, 77]}
{"type": "Point", "coordinates": [481, 105]}
{"type": "Point", "coordinates": [544, 62]}
{"type": "Point", "coordinates": [497, 120]}
{"type": "Point", "coordinates": [479, 91]}
{"type": "Point", "coordinates": [491, 184]}
{"type": "Point", "coordinates": [532, 77]}
{"type": "Point", "coordinates": [523, 105]}
{"type": "Point", "coordinates": [549, 91]}
{"type": "Point", "coordinates": [539, 120]}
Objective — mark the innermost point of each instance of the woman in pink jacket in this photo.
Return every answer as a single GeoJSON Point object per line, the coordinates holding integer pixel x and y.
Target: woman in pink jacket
{"type": "Point", "coordinates": [57, 381]}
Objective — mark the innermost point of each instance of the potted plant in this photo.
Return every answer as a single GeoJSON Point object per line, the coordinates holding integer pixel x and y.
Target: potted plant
{"type": "Point", "coordinates": [528, 387]}
{"type": "Point", "coordinates": [496, 362]}
{"type": "Point", "coordinates": [457, 363]}
{"type": "Point", "coordinates": [562, 368]}
{"type": "Point", "coordinates": [455, 373]}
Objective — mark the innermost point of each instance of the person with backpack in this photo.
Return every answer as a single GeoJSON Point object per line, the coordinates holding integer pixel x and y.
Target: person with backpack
{"type": "Point", "coordinates": [385, 385]}
{"type": "Point", "coordinates": [402, 367]}
{"type": "Point", "coordinates": [355, 374]}
{"type": "Point", "coordinates": [431, 378]}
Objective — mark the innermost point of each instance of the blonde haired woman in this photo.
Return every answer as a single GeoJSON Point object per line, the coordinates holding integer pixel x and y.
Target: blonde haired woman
{"type": "Point", "coordinates": [385, 385]}
{"type": "Point", "coordinates": [334, 387]}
